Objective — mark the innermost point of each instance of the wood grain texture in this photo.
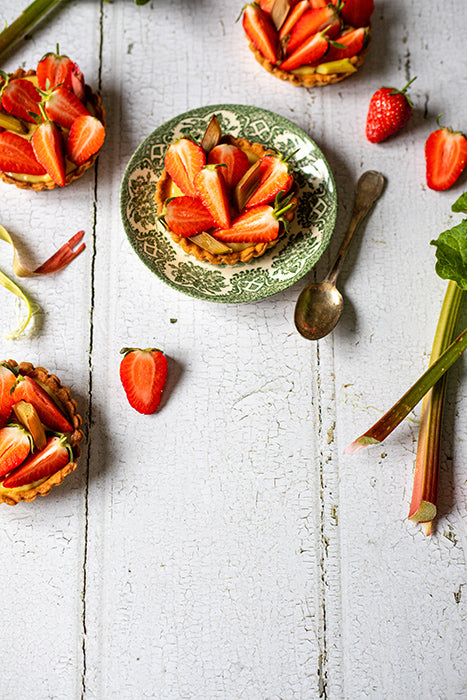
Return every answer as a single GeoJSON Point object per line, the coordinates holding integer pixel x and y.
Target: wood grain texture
{"type": "Point", "coordinates": [224, 547]}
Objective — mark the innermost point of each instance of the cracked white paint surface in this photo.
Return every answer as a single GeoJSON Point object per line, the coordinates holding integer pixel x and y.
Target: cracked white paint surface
{"type": "Point", "coordinates": [224, 547]}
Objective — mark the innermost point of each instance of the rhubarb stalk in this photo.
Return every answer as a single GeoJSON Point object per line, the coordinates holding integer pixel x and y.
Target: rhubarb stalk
{"type": "Point", "coordinates": [25, 22]}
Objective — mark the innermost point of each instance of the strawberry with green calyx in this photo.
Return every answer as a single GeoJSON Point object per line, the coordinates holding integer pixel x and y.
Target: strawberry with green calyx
{"type": "Point", "coordinates": [15, 445]}
{"type": "Point", "coordinates": [312, 22]}
{"type": "Point", "coordinates": [235, 160]}
{"type": "Point", "coordinates": [17, 155]}
{"type": "Point", "coordinates": [186, 216]}
{"type": "Point", "coordinates": [388, 112]}
{"type": "Point", "coordinates": [357, 13]}
{"type": "Point", "coordinates": [143, 374]}
{"type": "Point", "coordinates": [54, 70]}
{"type": "Point", "coordinates": [351, 43]}
{"type": "Point", "coordinates": [212, 190]}
{"type": "Point", "coordinates": [48, 146]}
{"type": "Point", "coordinates": [261, 31]}
{"type": "Point", "coordinates": [56, 454]}
{"type": "Point", "coordinates": [274, 177]}
{"type": "Point", "coordinates": [19, 97]}
{"type": "Point", "coordinates": [86, 137]}
{"type": "Point", "coordinates": [259, 224]}
{"type": "Point", "coordinates": [446, 157]}
{"type": "Point", "coordinates": [27, 389]}
{"type": "Point", "coordinates": [63, 106]}
{"type": "Point", "coordinates": [309, 52]}
{"type": "Point", "coordinates": [183, 161]}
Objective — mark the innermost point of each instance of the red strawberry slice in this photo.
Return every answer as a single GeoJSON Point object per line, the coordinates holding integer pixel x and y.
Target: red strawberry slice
{"type": "Point", "coordinates": [143, 374]}
{"type": "Point", "coordinates": [27, 389]}
{"type": "Point", "coordinates": [353, 42]}
{"type": "Point", "coordinates": [7, 382]}
{"type": "Point", "coordinates": [312, 22]}
{"type": "Point", "coordinates": [53, 70]}
{"type": "Point", "coordinates": [186, 216]}
{"type": "Point", "coordinates": [20, 97]}
{"type": "Point", "coordinates": [356, 13]}
{"type": "Point", "coordinates": [293, 17]}
{"type": "Point", "coordinates": [55, 455]}
{"type": "Point", "coordinates": [15, 445]}
{"type": "Point", "coordinates": [17, 155]}
{"type": "Point", "coordinates": [235, 160]}
{"type": "Point", "coordinates": [86, 137]}
{"type": "Point", "coordinates": [446, 158]}
{"type": "Point", "coordinates": [64, 107]}
{"type": "Point", "coordinates": [211, 188]}
{"type": "Point", "coordinates": [257, 225]}
{"type": "Point", "coordinates": [47, 144]}
{"type": "Point", "coordinates": [261, 31]}
{"type": "Point", "coordinates": [274, 178]}
{"type": "Point", "coordinates": [183, 161]}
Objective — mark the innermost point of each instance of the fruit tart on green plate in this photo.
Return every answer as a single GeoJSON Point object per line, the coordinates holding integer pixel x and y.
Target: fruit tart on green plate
{"type": "Point", "coordinates": [309, 42]}
{"type": "Point", "coordinates": [40, 432]}
{"type": "Point", "coordinates": [52, 125]}
{"type": "Point", "coordinates": [225, 199]}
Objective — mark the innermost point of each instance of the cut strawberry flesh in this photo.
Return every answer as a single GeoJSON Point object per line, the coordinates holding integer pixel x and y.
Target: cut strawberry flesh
{"type": "Point", "coordinates": [39, 465]}
{"type": "Point", "coordinates": [47, 144]}
{"type": "Point", "coordinates": [446, 158]}
{"type": "Point", "coordinates": [261, 31]}
{"type": "Point", "coordinates": [21, 97]}
{"type": "Point", "coordinates": [212, 190]}
{"type": "Point", "coordinates": [64, 107]}
{"type": "Point", "coordinates": [186, 216]}
{"type": "Point", "coordinates": [7, 382]}
{"type": "Point", "coordinates": [353, 42]}
{"type": "Point", "coordinates": [15, 446]}
{"type": "Point", "coordinates": [143, 374]}
{"type": "Point", "coordinates": [17, 155]}
{"type": "Point", "coordinates": [311, 23]}
{"type": "Point", "coordinates": [274, 178]}
{"type": "Point", "coordinates": [86, 137]}
{"type": "Point", "coordinates": [53, 70]}
{"type": "Point", "coordinates": [27, 389]}
{"type": "Point", "coordinates": [235, 160]}
{"type": "Point", "coordinates": [293, 17]}
{"type": "Point", "coordinates": [256, 225]}
{"type": "Point", "coordinates": [357, 13]}
{"type": "Point", "coordinates": [183, 161]}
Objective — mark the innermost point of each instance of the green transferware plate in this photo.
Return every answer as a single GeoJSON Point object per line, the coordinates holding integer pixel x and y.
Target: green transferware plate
{"type": "Point", "coordinates": [280, 267]}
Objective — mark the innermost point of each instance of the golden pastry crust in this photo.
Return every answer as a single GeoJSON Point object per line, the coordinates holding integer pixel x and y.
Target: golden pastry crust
{"type": "Point", "coordinates": [254, 151]}
{"type": "Point", "coordinates": [62, 394]}
{"type": "Point", "coordinates": [314, 79]}
{"type": "Point", "coordinates": [94, 104]}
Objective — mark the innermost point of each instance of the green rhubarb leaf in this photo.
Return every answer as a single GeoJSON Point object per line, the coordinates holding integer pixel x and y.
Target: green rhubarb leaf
{"type": "Point", "coordinates": [451, 254]}
{"type": "Point", "coordinates": [460, 205]}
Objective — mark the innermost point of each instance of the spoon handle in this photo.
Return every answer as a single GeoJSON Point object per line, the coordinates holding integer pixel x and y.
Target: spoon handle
{"type": "Point", "coordinates": [369, 189]}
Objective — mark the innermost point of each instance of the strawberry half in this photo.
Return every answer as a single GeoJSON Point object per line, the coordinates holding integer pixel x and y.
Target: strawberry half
{"type": "Point", "coordinates": [261, 31]}
{"type": "Point", "coordinates": [62, 106]}
{"type": "Point", "coordinates": [47, 144]}
{"type": "Point", "coordinates": [27, 389]}
{"type": "Point", "coordinates": [55, 455]}
{"type": "Point", "coordinates": [293, 17]}
{"type": "Point", "coordinates": [17, 155]}
{"type": "Point", "coordinates": [7, 382]}
{"type": "Point", "coordinates": [15, 445]}
{"type": "Point", "coordinates": [183, 161]}
{"type": "Point", "coordinates": [274, 178]}
{"type": "Point", "coordinates": [257, 225]}
{"type": "Point", "coordinates": [211, 189]}
{"type": "Point", "coordinates": [353, 42]}
{"type": "Point", "coordinates": [312, 22]}
{"type": "Point", "coordinates": [86, 137]}
{"type": "Point", "coordinates": [357, 13]}
{"type": "Point", "coordinates": [186, 216]}
{"type": "Point", "coordinates": [19, 97]}
{"type": "Point", "coordinates": [446, 158]}
{"type": "Point", "coordinates": [53, 70]}
{"type": "Point", "coordinates": [235, 160]}
{"type": "Point", "coordinates": [143, 374]}
{"type": "Point", "coordinates": [310, 51]}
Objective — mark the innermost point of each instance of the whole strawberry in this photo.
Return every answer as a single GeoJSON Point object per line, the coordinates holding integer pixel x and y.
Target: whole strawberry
{"type": "Point", "coordinates": [389, 110]}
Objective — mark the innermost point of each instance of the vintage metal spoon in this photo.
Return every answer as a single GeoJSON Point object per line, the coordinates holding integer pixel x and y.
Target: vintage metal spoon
{"type": "Point", "coordinates": [319, 305]}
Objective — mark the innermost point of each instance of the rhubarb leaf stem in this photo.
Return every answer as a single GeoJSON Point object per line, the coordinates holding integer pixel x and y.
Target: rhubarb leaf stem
{"type": "Point", "coordinates": [382, 428]}
{"type": "Point", "coordinates": [25, 22]}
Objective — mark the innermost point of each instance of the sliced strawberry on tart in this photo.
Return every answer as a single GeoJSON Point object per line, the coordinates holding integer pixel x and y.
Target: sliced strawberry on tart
{"type": "Point", "coordinates": [307, 42]}
{"type": "Point", "coordinates": [44, 114]}
{"type": "Point", "coordinates": [244, 196]}
{"type": "Point", "coordinates": [40, 432]}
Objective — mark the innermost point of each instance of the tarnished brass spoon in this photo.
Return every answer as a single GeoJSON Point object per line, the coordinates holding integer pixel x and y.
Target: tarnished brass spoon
{"type": "Point", "coordinates": [319, 306]}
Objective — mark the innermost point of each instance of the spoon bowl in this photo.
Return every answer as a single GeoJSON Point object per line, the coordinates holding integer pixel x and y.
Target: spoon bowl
{"type": "Point", "coordinates": [319, 306]}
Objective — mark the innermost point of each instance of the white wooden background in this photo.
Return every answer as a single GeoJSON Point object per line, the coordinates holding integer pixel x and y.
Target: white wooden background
{"type": "Point", "coordinates": [224, 547]}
